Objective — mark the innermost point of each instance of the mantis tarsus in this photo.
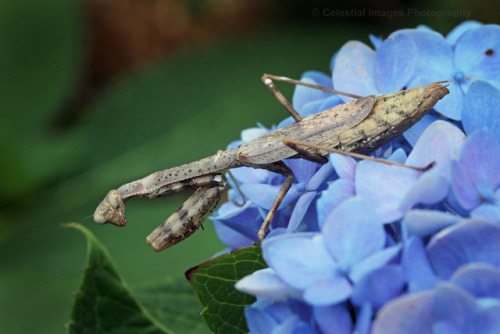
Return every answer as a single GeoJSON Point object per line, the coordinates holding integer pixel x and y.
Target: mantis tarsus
{"type": "Point", "coordinates": [361, 125]}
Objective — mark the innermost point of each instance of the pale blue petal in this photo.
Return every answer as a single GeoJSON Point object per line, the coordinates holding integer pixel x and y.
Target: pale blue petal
{"type": "Point", "coordinates": [299, 261]}
{"type": "Point", "coordinates": [302, 169]}
{"type": "Point", "coordinates": [328, 292]}
{"type": "Point", "coordinates": [330, 102]}
{"type": "Point", "coordinates": [379, 286]}
{"type": "Point", "coordinates": [263, 195]}
{"type": "Point", "coordinates": [482, 280]}
{"type": "Point", "coordinates": [488, 212]}
{"type": "Point", "coordinates": [373, 262]}
{"type": "Point", "coordinates": [430, 188]}
{"type": "Point", "coordinates": [463, 243]}
{"type": "Point", "coordinates": [426, 222]}
{"type": "Point", "coordinates": [417, 267]}
{"type": "Point", "coordinates": [333, 319]}
{"type": "Point", "coordinates": [259, 321]}
{"type": "Point", "coordinates": [353, 231]}
{"type": "Point", "coordinates": [453, 305]}
{"type": "Point", "coordinates": [482, 108]}
{"type": "Point", "coordinates": [300, 210]}
{"type": "Point", "coordinates": [452, 104]}
{"type": "Point", "coordinates": [353, 71]}
{"type": "Point", "coordinates": [394, 64]}
{"type": "Point", "coordinates": [344, 165]}
{"type": "Point", "coordinates": [303, 95]}
{"type": "Point", "coordinates": [413, 133]}
{"type": "Point", "coordinates": [376, 41]}
{"type": "Point", "coordinates": [320, 177]}
{"type": "Point", "coordinates": [463, 187]}
{"type": "Point", "coordinates": [459, 30]}
{"type": "Point", "coordinates": [481, 158]}
{"type": "Point", "coordinates": [265, 283]}
{"type": "Point", "coordinates": [384, 186]}
{"type": "Point", "coordinates": [472, 54]}
{"type": "Point", "coordinates": [364, 319]}
{"type": "Point", "coordinates": [406, 315]}
{"type": "Point", "coordinates": [439, 143]}
{"type": "Point", "coordinates": [336, 193]}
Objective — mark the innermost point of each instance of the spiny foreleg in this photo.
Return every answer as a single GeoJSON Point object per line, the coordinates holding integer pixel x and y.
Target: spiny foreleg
{"type": "Point", "coordinates": [189, 217]}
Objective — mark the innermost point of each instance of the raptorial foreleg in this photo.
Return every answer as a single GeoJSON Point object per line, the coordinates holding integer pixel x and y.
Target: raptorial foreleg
{"type": "Point", "coordinates": [189, 217]}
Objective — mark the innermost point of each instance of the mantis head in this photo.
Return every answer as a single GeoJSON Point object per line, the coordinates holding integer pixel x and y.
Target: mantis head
{"type": "Point", "coordinates": [111, 210]}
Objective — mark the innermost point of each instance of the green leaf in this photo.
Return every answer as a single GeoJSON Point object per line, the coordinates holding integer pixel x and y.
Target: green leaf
{"type": "Point", "coordinates": [213, 282]}
{"type": "Point", "coordinates": [104, 303]}
{"type": "Point", "coordinates": [173, 303]}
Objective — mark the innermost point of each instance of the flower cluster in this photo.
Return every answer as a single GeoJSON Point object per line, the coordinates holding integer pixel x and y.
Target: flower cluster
{"type": "Point", "coordinates": [354, 240]}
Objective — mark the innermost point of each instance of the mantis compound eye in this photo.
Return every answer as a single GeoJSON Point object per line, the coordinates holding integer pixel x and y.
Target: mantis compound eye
{"type": "Point", "coordinates": [114, 198]}
{"type": "Point", "coordinates": [111, 210]}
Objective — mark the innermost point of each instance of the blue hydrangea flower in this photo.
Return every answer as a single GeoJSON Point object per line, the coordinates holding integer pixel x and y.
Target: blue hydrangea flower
{"type": "Point", "coordinates": [476, 175]}
{"type": "Point", "coordinates": [467, 257]}
{"type": "Point", "coordinates": [352, 244]}
{"type": "Point", "coordinates": [371, 248]}
{"type": "Point", "coordinates": [415, 57]}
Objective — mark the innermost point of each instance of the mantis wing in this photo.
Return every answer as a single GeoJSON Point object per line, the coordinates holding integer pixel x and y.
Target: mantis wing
{"type": "Point", "coordinates": [321, 128]}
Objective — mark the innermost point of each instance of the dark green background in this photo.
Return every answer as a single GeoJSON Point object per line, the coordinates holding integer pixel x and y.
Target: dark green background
{"type": "Point", "coordinates": [166, 113]}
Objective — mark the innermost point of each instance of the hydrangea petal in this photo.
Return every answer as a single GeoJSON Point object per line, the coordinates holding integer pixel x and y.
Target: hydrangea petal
{"type": "Point", "coordinates": [476, 53]}
{"type": "Point", "coordinates": [333, 319]}
{"type": "Point", "coordinates": [459, 30]}
{"type": "Point", "coordinates": [353, 70]}
{"type": "Point", "coordinates": [414, 133]}
{"type": "Point", "coordinates": [336, 193]}
{"type": "Point", "coordinates": [463, 187]}
{"type": "Point", "coordinates": [481, 157]}
{"type": "Point", "coordinates": [263, 195]}
{"type": "Point", "coordinates": [439, 143]}
{"type": "Point", "coordinates": [452, 104]}
{"type": "Point", "coordinates": [303, 95]}
{"type": "Point", "coordinates": [394, 64]}
{"type": "Point", "coordinates": [300, 210]}
{"type": "Point", "coordinates": [417, 267]}
{"type": "Point", "coordinates": [430, 188]}
{"type": "Point", "coordinates": [481, 108]}
{"type": "Point", "coordinates": [463, 243]}
{"type": "Point", "coordinates": [302, 169]}
{"type": "Point", "coordinates": [265, 283]}
{"type": "Point", "coordinates": [384, 187]}
{"type": "Point", "coordinates": [252, 133]}
{"type": "Point", "coordinates": [434, 53]}
{"type": "Point", "coordinates": [406, 315]}
{"type": "Point", "coordinates": [481, 280]}
{"type": "Point", "coordinates": [376, 41]}
{"type": "Point", "coordinates": [344, 165]}
{"type": "Point", "coordinates": [320, 177]}
{"type": "Point", "coordinates": [373, 262]}
{"type": "Point", "coordinates": [353, 231]}
{"type": "Point", "coordinates": [488, 212]}
{"type": "Point", "coordinates": [379, 286]}
{"type": "Point", "coordinates": [330, 102]}
{"type": "Point", "coordinates": [259, 321]}
{"type": "Point", "coordinates": [426, 222]}
{"type": "Point", "coordinates": [291, 257]}
{"type": "Point", "coordinates": [328, 291]}
{"type": "Point", "coordinates": [453, 305]}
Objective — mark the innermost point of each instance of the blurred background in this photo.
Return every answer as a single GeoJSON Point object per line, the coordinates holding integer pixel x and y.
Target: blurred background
{"type": "Point", "coordinates": [96, 93]}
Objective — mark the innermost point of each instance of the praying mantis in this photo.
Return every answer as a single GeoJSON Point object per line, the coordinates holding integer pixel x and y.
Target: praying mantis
{"type": "Point", "coordinates": [361, 125]}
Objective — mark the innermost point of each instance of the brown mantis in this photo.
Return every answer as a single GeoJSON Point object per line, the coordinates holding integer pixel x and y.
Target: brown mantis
{"type": "Point", "coordinates": [361, 125]}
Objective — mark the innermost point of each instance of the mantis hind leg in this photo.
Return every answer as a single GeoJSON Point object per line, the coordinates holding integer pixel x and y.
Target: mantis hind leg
{"type": "Point", "coordinates": [190, 216]}
{"type": "Point", "coordinates": [268, 81]}
{"type": "Point", "coordinates": [303, 153]}
{"type": "Point", "coordinates": [280, 168]}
